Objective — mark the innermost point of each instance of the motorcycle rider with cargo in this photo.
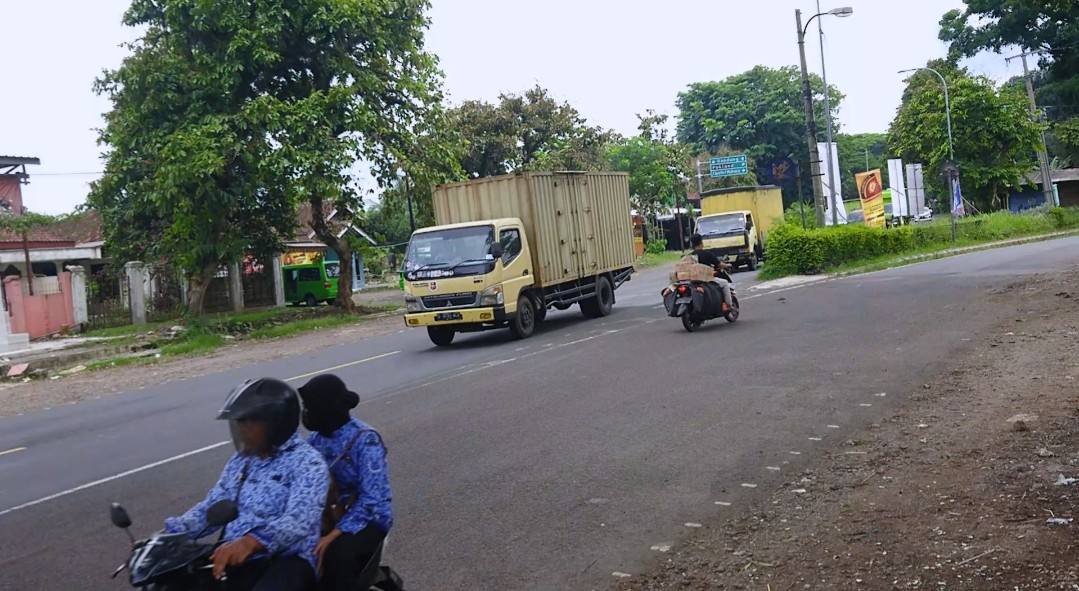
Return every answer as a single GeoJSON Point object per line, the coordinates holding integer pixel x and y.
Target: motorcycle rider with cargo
{"type": "Point", "coordinates": [279, 483]}
{"type": "Point", "coordinates": [706, 258]}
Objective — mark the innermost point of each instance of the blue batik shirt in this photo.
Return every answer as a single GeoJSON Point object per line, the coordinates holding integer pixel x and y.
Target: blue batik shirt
{"type": "Point", "coordinates": [361, 475]}
{"type": "Point", "coordinates": [280, 502]}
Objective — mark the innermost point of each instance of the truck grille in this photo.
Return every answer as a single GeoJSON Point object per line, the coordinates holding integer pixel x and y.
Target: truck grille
{"type": "Point", "coordinates": [451, 300]}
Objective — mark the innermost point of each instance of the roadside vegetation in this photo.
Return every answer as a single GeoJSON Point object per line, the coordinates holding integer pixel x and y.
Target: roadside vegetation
{"type": "Point", "coordinates": [199, 336]}
{"type": "Point", "coordinates": [794, 251]}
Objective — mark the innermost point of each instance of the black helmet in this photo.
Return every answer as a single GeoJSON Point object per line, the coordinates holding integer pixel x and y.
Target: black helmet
{"type": "Point", "coordinates": [265, 399]}
{"type": "Point", "coordinates": [696, 240]}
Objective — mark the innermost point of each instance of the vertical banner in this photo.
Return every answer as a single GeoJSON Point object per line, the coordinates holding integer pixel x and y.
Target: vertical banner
{"type": "Point", "coordinates": [901, 202]}
{"type": "Point", "coordinates": [871, 193]}
{"type": "Point", "coordinates": [830, 174]}
{"type": "Point", "coordinates": [957, 200]}
{"type": "Point", "coordinates": [916, 188]}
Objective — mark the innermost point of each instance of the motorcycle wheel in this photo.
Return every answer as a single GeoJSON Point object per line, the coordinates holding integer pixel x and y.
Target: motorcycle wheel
{"type": "Point", "coordinates": [689, 324]}
{"type": "Point", "coordinates": [732, 316]}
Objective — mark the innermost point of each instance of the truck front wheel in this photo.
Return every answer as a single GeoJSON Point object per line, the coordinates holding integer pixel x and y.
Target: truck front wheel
{"type": "Point", "coordinates": [524, 322]}
{"type": "Point", "coordinates": [441, 336]}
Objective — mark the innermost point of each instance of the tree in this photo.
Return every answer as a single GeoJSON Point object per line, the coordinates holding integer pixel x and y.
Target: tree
{"type": "Point", "coordinates": [995, 136]}
{"type": "Point", "coordinates": [228, 114]}
{"type": "Point", "coordinates": [532, 131]}
{"type": "Point", "coordinates": [188, 173]}
{"type": "Point", "coordinates": [852, 158]}
{"type": "Point", "coordinates": [1066, 140]}
{"type": "Point", "coordinates": [759, 112]}
{"type": "Point", "coordinates": [657, 166]}
{"type": "Point", "coordinates": [1045, 27]}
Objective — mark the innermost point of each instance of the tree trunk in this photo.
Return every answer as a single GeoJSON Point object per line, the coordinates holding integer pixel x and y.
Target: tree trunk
{"type": "Point", "coordinates": [343, 249]}
{"type": "Point", "coordinates": [198, 285]}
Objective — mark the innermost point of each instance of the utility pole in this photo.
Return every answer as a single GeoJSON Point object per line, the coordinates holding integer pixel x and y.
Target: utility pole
{"type": "Point", "coordinates": [1043, 154]}
{"type": "Point", "coordinates": [811, 127]}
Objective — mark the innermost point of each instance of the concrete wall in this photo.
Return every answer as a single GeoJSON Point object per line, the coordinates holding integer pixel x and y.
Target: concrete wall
{"type": "Point", "coordinates": [49, 311]}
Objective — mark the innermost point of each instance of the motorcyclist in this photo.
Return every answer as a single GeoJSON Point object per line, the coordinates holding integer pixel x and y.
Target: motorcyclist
{"type": "Point", "coordinates": [706, 258]}
{"type": "Point", "coordinates": [279, 483]}
{"type": "Point", "coordinates": [357, 458]}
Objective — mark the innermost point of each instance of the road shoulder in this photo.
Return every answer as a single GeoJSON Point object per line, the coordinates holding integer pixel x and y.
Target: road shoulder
{"type": "Point", "coordinates": [954, 490]}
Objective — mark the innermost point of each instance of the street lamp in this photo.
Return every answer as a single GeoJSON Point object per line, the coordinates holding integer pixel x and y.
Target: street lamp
{"type": "Point", "coordinates": [951, 142]}
{"type": "Point", "coordinates": [811, 124]}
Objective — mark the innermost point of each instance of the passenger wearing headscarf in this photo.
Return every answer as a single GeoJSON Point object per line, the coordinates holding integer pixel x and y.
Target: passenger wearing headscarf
{"type": "Point", "coordinates": [357, 521]}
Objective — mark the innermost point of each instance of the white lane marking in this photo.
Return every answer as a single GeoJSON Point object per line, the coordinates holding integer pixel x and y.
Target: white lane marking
{"type": "Point", "coordinates": [748, 485]}
{"type": "Point", "coordinates": [113, 477]}
{"type": "Point", "coordinates": [773, 468]}
{"type": "Point", "coordinates": [833, 426]}
{"type": "Point", "coordinates": [691, 524]}
{"type": "Point", "coordinates": [342, 366]}
{"type": "Point", "coordinates": [11, 451]}
{"type": "Point", "coordinates": [551, 347]}
{"type": "Point", "coordinates": [815, 439]}
{"type": "Point", "coordinates": [795, 453]}
{"type": "Point", "coordinates": [723, 504]}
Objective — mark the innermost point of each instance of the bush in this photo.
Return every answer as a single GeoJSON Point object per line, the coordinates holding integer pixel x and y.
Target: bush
{"type": "Point", "coordinates": [792, 250]}
{"type": "Point", "coordinates": [656, 246]}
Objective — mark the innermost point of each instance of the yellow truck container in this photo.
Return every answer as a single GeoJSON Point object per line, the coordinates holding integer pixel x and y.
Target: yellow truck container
{"type": "Point", "coordinates": [735, 222]}
{"type": "Point", "coordinates": [506, 249]}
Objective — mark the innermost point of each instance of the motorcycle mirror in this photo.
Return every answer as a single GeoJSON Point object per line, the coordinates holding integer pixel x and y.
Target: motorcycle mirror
{"type": "Point", "coordinates": [222, 513]}
{"type": "Point", "coordinates": [119, 516]}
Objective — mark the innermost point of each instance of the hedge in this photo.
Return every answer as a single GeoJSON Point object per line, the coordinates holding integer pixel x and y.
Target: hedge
{"type": "Point", "coordinates": [794, 251]}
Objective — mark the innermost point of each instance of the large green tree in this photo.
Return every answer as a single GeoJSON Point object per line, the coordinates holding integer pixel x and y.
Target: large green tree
{"type": "Point", "coordinates": [995, 136]}
{"type": "Point", "coordinates": [759, 112]}
{"type": "Point", "coordinates": [657, 166]}
{"type": "Point", "coordinates": [227, 114]}
{"type": "Point", "coordinates": [860, 152]}
{"type": "Point", "coordinates": [532, 131]}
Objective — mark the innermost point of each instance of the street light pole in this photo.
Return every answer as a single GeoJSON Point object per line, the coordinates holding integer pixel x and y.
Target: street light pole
{"type": "Point", "coordinates": [951, 142]}
{"type": "Point", "coordinates": [811, 124]}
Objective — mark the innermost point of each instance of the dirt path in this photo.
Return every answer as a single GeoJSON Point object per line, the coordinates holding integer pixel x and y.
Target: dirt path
{"type": "Point", "coordinates": [953, 491]}
{"type": "Point", "coordinates": [18, 398]}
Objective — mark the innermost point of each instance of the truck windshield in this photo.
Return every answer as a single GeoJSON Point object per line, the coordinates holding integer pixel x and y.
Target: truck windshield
{"type": "Point", "coordinates": [445, 253]}
{"type": "Point", "coordinates": [718, 225]}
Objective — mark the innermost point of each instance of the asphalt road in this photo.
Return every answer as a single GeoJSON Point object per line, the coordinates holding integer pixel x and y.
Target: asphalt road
{"type": "Point", "coordinates": [539, 464]}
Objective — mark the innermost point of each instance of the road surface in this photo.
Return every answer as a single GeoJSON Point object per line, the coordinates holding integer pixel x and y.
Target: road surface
{"type": "Point", "coordinates": [548, 463]}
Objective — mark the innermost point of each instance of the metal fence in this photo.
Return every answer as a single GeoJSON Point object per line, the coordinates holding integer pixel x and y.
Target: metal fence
{"type": "Point", "coordinates": [107, 301]}
{"type": "Point", "coordinates": [165, 297]}
{"type": "Point", "coordinates": [258, 282]}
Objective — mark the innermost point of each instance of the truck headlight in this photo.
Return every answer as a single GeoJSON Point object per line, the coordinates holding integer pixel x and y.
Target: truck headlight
{"type": "Point", "coordinates": [492, 296]}
{"type": "Point", "coordinates": [412, 304]}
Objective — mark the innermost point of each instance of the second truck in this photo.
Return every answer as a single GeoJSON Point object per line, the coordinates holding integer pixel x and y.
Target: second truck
{"type": "Point", "coordinates": [506, 249]}
{"type": "Point", "coordinates": [734, 222]}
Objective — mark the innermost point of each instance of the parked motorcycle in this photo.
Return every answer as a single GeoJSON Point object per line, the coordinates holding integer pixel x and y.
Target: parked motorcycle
{"type": "Point", "coordinates": [690, 300]}
{"type": "Point", "coordinates": [178, 562]}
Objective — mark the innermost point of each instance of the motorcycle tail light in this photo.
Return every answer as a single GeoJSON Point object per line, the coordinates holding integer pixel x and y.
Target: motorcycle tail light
{"type": "Point", "coordinates": [683, 290]}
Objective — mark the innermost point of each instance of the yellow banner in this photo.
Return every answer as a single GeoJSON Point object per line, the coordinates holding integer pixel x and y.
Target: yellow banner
{"type": "Point", "coordinates": [301, 257]}
{"type": "Point", "coordinates": [871, 193]}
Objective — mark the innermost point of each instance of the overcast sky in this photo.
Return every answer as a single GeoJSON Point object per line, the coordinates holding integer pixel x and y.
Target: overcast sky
{"type": "Point", "coordinates": [611, 59]}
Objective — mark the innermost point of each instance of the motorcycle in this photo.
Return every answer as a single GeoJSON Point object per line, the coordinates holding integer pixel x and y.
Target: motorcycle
{"type": "Point", "coordinates": [689, 299]}
{"type": "Point", "coordinates": [179, 562]}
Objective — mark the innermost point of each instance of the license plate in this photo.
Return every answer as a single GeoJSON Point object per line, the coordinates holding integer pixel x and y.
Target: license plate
{"type": "Point", "coordinates": [447, 316]}
{"type": "Point", "coordinates": [683, 300]}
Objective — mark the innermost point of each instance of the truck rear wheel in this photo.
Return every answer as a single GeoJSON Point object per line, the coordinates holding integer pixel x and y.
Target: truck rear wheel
{"type": "Point", "coordinates": [603, 302]}
{"type": "Point", "coordinates": [752, 264]}
{"type": "Point", "coordinates": [441, 336]}
{"type": "Point", "coordinates": [524, 322]}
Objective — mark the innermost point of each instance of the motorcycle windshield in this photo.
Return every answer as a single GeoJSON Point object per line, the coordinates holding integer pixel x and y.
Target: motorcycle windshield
{"type": "Point", "coordinates": [163, 554]}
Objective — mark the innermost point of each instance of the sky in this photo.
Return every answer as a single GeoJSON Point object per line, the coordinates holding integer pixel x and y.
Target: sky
{"type": "Point", "coordinates": [610, 59]}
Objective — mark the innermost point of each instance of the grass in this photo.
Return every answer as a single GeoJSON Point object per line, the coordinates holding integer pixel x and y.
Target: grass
{"type": "Point", "coordinates": [656, 260]}
{"type": "Point", "coordinates": [210, 333]}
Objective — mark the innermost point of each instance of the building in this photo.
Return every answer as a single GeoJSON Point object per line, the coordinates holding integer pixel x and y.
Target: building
{"type": "Point", "coordinates": [1065, 180]}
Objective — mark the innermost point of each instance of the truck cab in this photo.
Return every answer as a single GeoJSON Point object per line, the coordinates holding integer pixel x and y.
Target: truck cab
{"type": "Point", "coordinates": [469, 277]}
{"type": "Point", "coordinates": [732, 236]}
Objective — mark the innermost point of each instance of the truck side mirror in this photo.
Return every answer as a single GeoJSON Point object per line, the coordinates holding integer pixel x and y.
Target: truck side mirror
{"type": "Point", "coordinates": [496, 250]}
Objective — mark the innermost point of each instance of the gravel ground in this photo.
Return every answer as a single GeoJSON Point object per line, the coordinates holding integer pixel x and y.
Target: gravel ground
{"type": "Point", "coordinates": [955, 490]}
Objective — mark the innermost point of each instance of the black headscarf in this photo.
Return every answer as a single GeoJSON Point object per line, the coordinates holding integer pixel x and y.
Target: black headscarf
{"type": "Point", "coordinates": [326, 404]}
